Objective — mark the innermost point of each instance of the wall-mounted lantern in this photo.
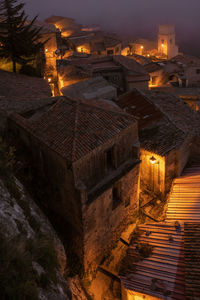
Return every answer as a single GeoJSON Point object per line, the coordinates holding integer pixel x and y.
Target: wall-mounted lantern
{"type": "Point", "coordinates": [152, 160]}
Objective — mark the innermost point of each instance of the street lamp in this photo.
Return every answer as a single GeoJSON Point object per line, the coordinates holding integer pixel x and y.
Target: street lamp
{"type": "Point", "coordinates": [152, 160]}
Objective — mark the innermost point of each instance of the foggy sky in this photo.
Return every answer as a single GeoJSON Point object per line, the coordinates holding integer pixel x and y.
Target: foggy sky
{"type": "Point", "coordinates": [137, 17]}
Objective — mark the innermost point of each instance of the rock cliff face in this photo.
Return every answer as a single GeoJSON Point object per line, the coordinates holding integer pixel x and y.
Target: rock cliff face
{"type": "Point", "coordinates": [33, 255]}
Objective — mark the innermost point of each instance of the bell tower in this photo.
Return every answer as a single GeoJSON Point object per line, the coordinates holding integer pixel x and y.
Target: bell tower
{"type": "Point", "coordinates": [166, 41]}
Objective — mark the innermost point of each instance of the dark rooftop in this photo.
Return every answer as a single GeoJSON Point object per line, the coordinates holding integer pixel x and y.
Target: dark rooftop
{"type": "Point", "coordinates": [163, 126]}
{"type": "Point", "coordinates": [73, 128]}
{"type": "Point", "coordinates": [152, 67]}
{"type": "Point", "coordinates": [176, 110]}
{"type": "Point", "coordinates": [136, 104]}
{"type": "Point", "coordinates": [108, 62]}
{"type": "Point", "coordinates": [18, 85]}
{"type": "Point", "coordinates": [161, 137]}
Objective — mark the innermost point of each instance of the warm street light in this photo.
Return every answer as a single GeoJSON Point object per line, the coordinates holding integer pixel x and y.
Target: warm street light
{"type": "Point", "coordinates": [152, 160]}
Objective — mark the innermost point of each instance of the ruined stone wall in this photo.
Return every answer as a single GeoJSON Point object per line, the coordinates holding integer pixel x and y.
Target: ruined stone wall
{"type": "Point", "coordinates": [92, 168]}
{"type": "Point", "coordinates": [104, 224]}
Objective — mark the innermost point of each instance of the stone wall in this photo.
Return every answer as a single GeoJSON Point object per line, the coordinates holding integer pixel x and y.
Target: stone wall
{"type": "Point", "coordinates": [142, 85]}
{"type": "Point", "coordinates": [193, 76]}
{"type": "Point", "coordinates": [104, 224]}
{"type": "Point", "coordinates": [152, 176]}
{"type": "Point", "coordinates": [56, 188]}
{"type": "Point", "coordinates": [99, 224]}
{"type": "Point", "coordinates": [92, 168]}
{"type": "Point", "coordinates": [183, 154]}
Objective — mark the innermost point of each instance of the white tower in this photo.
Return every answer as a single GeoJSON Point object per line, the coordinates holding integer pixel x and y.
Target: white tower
{"type": "Point", "coordinates": [166, 41]}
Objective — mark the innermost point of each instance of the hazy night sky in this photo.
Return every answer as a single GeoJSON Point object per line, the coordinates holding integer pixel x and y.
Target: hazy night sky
{"type": "Point", "coordinates": [137, 17]}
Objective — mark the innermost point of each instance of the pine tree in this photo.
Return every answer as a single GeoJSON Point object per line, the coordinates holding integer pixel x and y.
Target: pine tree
{"type": "Point", "coordinates": [19, 39]}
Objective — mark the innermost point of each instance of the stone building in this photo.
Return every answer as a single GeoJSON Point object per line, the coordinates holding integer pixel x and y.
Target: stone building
{"type": "Point", "coordinates": [181, 71]}
{"type": "Point", "coordinates": [169, 135]}
{"type": "Point", "coordinates": [120, 71]}
{"type": "Point", "coordinates": [88, 158]}
{"type": "Point", "coordinates": [191, 96]}
{"type": "Point", "coordinates": [166, 41]}
{"type": "Point", "coordinates": [156, 73]}
{"type": "Point", "coordinates": [143, 47]}
{"type": "Point", "coordinates": [95, 43]}
{"type": "Point", "coordinates": [52, 38]}
{"type": "Point", "coordinates": [93, 88]}
{"type": "Point", "coordinates": [67, 26]}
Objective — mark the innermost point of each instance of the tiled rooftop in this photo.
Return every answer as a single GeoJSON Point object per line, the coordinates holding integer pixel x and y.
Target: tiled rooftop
{"type": "Point", "coordinates": [164, 120]}
{"type": "Point", "coordinates": [116, 61]}
{"type": "Point", "coordinates": [187, 60]}
{"type": "Point", "coordinates": [73, 128]}
{"type": "Point", "coordinates": [95, 87]}
{"type": "Point", "coordinates": [176, 110]}
{"type": "Point", "coordinates": [136, 104]}
{"type": "Point", "coordinates": [161, 137]}
{"type": "Point", "coordinates": [18, 85]}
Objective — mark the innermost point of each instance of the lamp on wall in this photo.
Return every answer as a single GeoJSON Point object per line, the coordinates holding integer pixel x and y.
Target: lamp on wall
{"type": "Point", "coordinates": [152, 160]}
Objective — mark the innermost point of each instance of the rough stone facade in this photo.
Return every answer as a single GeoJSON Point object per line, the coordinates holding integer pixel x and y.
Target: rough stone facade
{"type": "Point", "coordinates": [93, 199]}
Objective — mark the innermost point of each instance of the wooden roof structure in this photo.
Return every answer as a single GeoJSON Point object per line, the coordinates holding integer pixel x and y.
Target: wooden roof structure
{"type": "Point", "coordinates": [173, 269]}
{"type": "Point", "coordinates": [162, 274]}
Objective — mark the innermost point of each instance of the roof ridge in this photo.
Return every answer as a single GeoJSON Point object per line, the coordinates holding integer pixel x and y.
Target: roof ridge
{"type": "Point", "coordinates": [73, 150]}
{"type": "Point", "coordinates": [108, 110]}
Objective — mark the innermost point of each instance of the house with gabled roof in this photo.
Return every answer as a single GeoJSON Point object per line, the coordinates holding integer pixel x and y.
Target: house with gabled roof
{"type": "Point", "coordinates": [168, 133]}
{"type": "Point", "coordinates": [120, 71]}
{"type": "Point", "coordinates": [88, 157]}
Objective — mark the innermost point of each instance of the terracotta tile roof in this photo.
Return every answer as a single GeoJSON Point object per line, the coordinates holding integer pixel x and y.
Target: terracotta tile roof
{"type": "Point", "coordinates": [111, 42]}
{"type": "Point", "coordinates": [24, 104]}
{"type": "Point", "coordinates": [116, 61]}
{"type": "Point", "coordinates": [187, 60]}
{"type": "Point", "coordinates": [158, 133]}
{"type": "Point", "coordinates": [176, 110]}
{"type": "Point", "coordinates": [130, 65]}
{"type": "Point", "coordinates": [152, 67]}
{"type": "Point", "coordinates": [73, 128]}
{"type": "Point", "coordinates": [18, 85]}
{"type": "Point", "coordinates": [161, 137]}
{"type": "Point", "coordinates": [140, 59]}
{"type": "Point", "coordinates": [137, 105]}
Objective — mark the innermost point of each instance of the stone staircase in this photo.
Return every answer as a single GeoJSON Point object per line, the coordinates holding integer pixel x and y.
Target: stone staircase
{"type": "Point", "coordinates": [184, 203]}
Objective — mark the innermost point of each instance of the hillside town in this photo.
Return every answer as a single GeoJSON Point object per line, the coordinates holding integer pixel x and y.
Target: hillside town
{"type": "Point", "coordinates": [104, 147]}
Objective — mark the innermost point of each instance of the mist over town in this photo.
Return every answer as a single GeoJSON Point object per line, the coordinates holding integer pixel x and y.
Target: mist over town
{"type": "Point", "coordinates": [99, 150]}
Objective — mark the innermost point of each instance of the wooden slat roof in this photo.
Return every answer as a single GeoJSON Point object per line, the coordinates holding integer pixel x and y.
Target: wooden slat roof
{"type": "Point", "coordinates": [165, 265]}
{"type": "Point", "coordinates": [184, 203]}
{"type": "Point", "coordinates": [174, 262]}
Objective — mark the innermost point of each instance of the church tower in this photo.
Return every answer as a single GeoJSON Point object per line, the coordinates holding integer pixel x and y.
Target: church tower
{"type": "Point", "coordinates": [166, 41]}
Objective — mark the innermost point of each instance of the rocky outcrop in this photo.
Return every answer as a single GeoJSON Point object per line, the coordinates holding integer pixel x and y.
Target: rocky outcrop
{"type": "Point", "coordinates": [27, 232]}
